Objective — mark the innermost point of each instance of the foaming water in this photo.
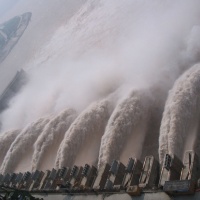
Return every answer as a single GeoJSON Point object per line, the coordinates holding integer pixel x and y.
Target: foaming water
{"type": "Point", "coordinates": [123, 123]}
{"type": "Point", "coordinates": [18, 157]}
{"type": "Point", "coordinates": [47, 144]}
{"type": "Point", "coordinates": [181, 115]}
{"type": "Point", "coordinates": [89, 124]}
{"type": "Point", "coordinates": [6, 139]}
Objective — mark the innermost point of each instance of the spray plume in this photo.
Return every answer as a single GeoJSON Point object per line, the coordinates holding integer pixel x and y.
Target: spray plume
{"type": "Point", "coordinates": [49, 140]}
{"type": "Point", "coordinates": [6, 139]}
{"type": "Point", "coordinates": [126, 117]}
{"type": "Point", "coordinates": [181, 115]}
{"type": "Point", "coordinates": [22, 144]}
{"type": "Point", "coordinates": [90, 122]}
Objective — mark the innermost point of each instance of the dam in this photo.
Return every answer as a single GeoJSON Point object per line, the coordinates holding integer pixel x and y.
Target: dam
{"type": "Point", "coordinates": [111, 106]}
{"type": "Point", "coordinates": [174, 180]}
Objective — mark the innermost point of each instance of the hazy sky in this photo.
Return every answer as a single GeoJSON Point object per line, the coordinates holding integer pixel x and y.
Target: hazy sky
{"type": "Point", "coordinates": [5, 5]}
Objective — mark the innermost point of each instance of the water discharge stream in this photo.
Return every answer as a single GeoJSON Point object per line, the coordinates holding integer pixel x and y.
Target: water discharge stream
{"type": "Point", "coordinates": [22, 148]}
{"type": "Point", "coordinates": [6, 139]}
{"type": "Point", "coordinates": [49, 140]}
{"type": "Point", "coordinates": [90, 123]}
{"type": "Point", "coordinates": [131, 112]}
{"type": "Point", "coordinates": [181, 115]}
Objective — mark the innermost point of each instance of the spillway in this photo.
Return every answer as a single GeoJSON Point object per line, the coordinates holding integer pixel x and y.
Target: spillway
{"type": "Point", "coordinates": [6, 139]}
{"type": "Point", "coordinates": [97, 107]}
{"type": "Point", "coordinates": [49, 140]}
{"type": "Point", "coordinates": [123, 123]}
{"type": "Point", "coordinates": [180, 120]}
{"type": "Point", "coordinates": [89, 124]}
{"type": "Point", "coordinates": [22, 147]}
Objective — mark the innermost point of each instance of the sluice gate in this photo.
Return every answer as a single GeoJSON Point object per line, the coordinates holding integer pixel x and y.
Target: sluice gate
{"type": "Point", "coordinates": [134, 179]}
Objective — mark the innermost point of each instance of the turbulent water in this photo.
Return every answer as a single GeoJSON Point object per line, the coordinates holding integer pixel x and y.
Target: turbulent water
{"type": "Point", "coordinates": [181, 116]}
{"type": "Point", "coordinates": [49, 140]}
{"type": "Point", "coordinates": [22, 145]}
{"type": "Point", "coordinates": [90, 123]}
{"type": "Point", "coordinates": [135, 49]}
{"type": "Point", "coordinates": [127, 116]}
{"type": "Point", "coordinates": [6, 139]}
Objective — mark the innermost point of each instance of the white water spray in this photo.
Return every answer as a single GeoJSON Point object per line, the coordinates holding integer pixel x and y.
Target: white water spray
{"type": "Point", "coordinates": [105, 45]}
{"type": "Point", "coordinates": [6, 139]}
{"type": "Point", "coordinates": [89, 123]}
{"type": "Point", "coordinates": [49, 140]}
{"type": "Point", "coordinates": [123, 123]}
{"type": "Point", "coordinates": [181, 115]}
{"type": "Point", "coordinates": [22, 145]}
